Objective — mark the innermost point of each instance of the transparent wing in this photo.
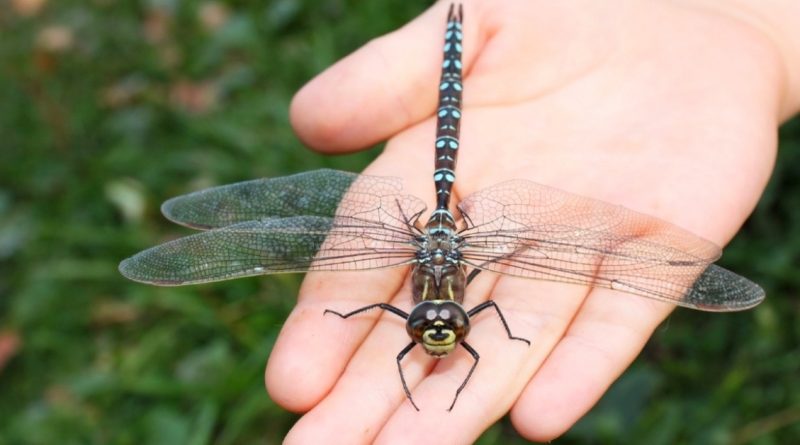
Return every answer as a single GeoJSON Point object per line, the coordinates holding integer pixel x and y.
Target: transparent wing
{"type": "Point", "coordinates": [292, 244]}
{"type": "Point", "coordinates": [314, 193]}
{"type": "Point", "coordinates": [372, 227]}
{"type": "Point", "coordinates": [530, 230]}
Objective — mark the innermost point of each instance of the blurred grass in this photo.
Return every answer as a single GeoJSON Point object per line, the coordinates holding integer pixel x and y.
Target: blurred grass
{"type": "Point", "coordinates": [109, 107]}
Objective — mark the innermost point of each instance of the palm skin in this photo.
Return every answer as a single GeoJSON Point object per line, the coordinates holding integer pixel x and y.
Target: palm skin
{"type": "Point", "coordinates": [664, 109]}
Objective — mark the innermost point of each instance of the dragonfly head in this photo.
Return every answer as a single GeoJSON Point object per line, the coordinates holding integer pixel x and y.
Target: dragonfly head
{"type": "Point", "coordinates": [438, 325]}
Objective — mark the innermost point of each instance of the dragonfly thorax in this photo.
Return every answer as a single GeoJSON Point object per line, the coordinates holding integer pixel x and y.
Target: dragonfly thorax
{"type": "Point", "coordinates": [439, 273]}
{"type": "Point", "coordinates": [438, 325]}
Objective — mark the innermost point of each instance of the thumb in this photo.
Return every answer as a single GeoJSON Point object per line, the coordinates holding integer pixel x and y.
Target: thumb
{"type": "Point", "coordinates": [385, 86]}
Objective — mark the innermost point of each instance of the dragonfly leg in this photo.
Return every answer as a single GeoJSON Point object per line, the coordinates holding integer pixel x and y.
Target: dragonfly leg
{"type": "Point", "coordinates": [402, 377]}
{"type": "Point", "coordinates": [477, 357]}
{"type": "Point", "coordinates": [384, 306]}
{"type": "Point", "coordinates": [472, 275]}
{"type": "Point", "coordinates": [491, 303]}
{"type": "Point", "coordinates": [467, 219]}
{"type": "Point", "coordinates": [409, 221]}
{"type": "Point", "coordinates": [477, 270]}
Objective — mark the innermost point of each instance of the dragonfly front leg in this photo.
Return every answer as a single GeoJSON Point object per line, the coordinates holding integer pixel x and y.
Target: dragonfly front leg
{"type": "Point", "coordinates": [400, 313]}
{"type": "Point", "coordinates": [402, 377]}
{"type": "Point", "coordinates": [491, 303]}
{"type": "Point", "coordinates": [384, 306]}
{"type": "Point", "coordinates": [477, 357]}
{"type": "Point", "coordinates": [472, 275]}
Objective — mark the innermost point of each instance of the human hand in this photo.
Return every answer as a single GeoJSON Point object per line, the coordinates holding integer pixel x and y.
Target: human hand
{"type": "Point", "coordinates": [662, 108]}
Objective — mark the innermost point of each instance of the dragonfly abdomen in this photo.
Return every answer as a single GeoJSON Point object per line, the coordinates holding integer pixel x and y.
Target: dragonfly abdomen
{"type": "Point", "coordinates": [448, 114]}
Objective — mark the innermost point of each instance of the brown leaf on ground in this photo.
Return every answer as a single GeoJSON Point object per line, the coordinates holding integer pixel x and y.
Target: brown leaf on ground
{"type": "Point", "coordinates": [114, 313]}
{"type": "Point", "coordinates": [194, 97]}
{"type": "Point", "coordinates": [213, 15]}
{"type": "Point", "coordinates": [28, 8]}
{"type": "Point", "coordinates": [10, 343]}
{"type": "Point", "coordinates": [55, 38]}
{"type": "Point", "coordinates": [156, 25]}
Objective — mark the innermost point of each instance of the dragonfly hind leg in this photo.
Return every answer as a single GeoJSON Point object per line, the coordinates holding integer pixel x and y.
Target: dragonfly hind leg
{"type": "Point", "coordinates": [478, 269]}
{"type": "Point", "coordinates": [492, 304]}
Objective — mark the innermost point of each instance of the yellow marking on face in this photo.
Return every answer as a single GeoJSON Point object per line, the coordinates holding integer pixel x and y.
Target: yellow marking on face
{"type": "Point", "coordinates": [439, 351]}
{"type": "Point", "coordinates": [428, 340]}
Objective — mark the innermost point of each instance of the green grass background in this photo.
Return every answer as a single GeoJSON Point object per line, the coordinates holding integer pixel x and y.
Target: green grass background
{"type": "Point", "coordinates": [108, 107]}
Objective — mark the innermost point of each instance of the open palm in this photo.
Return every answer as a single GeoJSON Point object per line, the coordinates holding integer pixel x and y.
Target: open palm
{"type": "Point", "coordinates": [642, 106]}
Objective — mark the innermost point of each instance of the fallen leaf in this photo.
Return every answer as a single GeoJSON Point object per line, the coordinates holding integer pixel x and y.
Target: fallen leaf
{"type": "Point", "coordinates": [10, 343]}
{"type": "Point", "coordinates": [55, 38]}
{"type": "Point", "coordinates": [213, 15]}
{"type": "Point", "coordinates": [28, 8]}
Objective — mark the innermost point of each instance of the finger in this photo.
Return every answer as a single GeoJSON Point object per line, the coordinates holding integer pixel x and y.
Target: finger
{"type": "Point", "coordinates": [608, 333]}
{"type": "Point", "coordinates": [382, 88]}
{"type": "Point", "coordinates": [312, 350]}
{"type": "Point", "coordinates": [369, 390]}
{"type": "Point", "coordinates": [537, 310]}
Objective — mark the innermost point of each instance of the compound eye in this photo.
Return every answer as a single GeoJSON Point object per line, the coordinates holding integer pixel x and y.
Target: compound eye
{"type": "Point", "coordinates": [430, 314]}
{"type": "Point", "coordinates": [444, 314]}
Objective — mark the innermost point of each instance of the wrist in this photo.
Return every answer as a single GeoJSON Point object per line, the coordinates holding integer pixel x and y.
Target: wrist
{"type": "Point", "coordinates": [777, 22]}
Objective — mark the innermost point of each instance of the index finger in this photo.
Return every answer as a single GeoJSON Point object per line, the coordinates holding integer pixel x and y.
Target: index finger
{"type": "Point", "coordinates": [386, 86]}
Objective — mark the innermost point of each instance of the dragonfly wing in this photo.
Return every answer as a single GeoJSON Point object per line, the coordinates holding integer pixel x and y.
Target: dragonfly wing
{"type": "Point", "coordinates": [292, 244]}
{"type": "Point", "coordinates": [316, 193]}
{"type": "Point", "coordinates": [720, 290]}
{"type": "Point", "coordinates": [530, 230]}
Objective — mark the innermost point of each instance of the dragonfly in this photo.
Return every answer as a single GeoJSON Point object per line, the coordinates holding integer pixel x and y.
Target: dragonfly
{"type": "Point", "coordinates": [329, 220]}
